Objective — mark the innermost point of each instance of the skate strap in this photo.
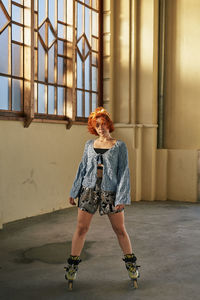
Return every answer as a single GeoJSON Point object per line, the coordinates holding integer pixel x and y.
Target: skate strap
{"type": "Point", "coordinates": [129, 258]}
{"type": "Point", "coordinates": [74, 260]}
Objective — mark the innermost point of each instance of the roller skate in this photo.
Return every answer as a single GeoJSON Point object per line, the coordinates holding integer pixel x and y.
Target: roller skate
{"type": "Point", "coordinates": [71, 270]}
{"type": "Point", "coordinates": [133, 272]}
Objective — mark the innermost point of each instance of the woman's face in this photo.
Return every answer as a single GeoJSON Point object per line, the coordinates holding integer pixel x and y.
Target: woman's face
{"type": "Point", "coordinates": [101, 127]}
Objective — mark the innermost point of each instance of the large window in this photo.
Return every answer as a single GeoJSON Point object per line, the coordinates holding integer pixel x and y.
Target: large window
{"type": "Point", "coordinates": [51, 59]}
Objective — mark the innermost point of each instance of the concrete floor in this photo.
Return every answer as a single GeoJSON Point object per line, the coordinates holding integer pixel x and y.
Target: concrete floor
{"type": "Point", "coordinates": [165, 237]}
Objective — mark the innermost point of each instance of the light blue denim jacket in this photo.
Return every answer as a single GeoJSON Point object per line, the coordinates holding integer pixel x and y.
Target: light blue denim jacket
{"type": "Point", "coordinates": [115, 172]}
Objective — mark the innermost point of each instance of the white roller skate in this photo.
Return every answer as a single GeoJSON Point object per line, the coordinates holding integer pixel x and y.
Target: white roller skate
{"type": "Point", "coordinates": [133, 272]}
{"type": "Point", "coordinates": [71, 270]}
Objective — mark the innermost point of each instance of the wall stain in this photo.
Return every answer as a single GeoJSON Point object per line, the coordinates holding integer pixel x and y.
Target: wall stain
{"type": "Point", "coordinates": [30, 180]}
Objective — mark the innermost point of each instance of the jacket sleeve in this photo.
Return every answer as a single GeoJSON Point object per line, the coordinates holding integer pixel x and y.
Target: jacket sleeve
{"type": "Point", "coordinates": [123, 176]}
{"type": "Point", "coordinates": [79, 174]}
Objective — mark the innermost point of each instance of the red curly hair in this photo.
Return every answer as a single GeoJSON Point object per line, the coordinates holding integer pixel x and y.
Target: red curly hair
{"type": "Point", "coordinates": [99, 112]}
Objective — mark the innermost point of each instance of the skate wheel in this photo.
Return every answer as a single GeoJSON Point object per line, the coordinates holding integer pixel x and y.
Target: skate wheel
{"type": "Point", "coordinates": [135, 284]}
{"type": "Point", "coordinates": [70, 285]}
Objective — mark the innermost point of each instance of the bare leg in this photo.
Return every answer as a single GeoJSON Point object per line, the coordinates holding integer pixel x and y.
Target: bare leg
{"type": "Point", "coordinates": [117, 222]}
{"type": "Point", "coordinates": [83, 224]}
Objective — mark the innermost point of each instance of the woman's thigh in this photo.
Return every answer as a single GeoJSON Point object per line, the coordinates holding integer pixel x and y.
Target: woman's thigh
{"type": "Point", "coordinates": [84, 218]}
{"type": "Point", "coordinates": [117, 221]}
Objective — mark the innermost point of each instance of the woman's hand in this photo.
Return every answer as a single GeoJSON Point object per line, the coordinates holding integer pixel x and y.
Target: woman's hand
{"type": "Point", "coordinates": [71, 201]}
{"type": "Point", "coordinates": [119, 206]}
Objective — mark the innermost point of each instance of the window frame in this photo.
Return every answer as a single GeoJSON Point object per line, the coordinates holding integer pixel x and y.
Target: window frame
{"type": "Point", "coordinates": [28, 115]}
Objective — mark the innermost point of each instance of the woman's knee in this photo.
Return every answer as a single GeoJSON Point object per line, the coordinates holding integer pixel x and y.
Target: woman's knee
{"type": "Point", "coordinates": [119, 230]}
{"type": "Point", "coordinates": [82, 229]}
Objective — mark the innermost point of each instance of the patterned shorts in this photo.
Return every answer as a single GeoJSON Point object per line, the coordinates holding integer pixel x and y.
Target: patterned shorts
{"type": "Point", "coordinates": [92, 198]}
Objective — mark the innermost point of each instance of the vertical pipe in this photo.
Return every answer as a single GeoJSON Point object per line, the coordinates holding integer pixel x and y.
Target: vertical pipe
{"type": "Point", "coordinates": [161, 74]}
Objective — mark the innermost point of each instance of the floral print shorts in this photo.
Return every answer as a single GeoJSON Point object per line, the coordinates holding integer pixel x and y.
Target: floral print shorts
{"type": "Point", "coordinates": [92, 198]}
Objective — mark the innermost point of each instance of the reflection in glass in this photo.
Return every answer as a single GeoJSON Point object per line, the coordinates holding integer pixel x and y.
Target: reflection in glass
{"type": "Point", "coordinates": [16, 94]}
{"type": "Point", "coordinates": [95, 44]}
{"type": "Point", "coordinates": [52, 12]}
{"type": "Point", "coordinates": [94, 4]}
{"type": "Point", "coordinates": [70, 12]}
{"type": "Point", "coordinates": [17, 61]}
{"type": "Point", "coordinates": [17, 14]}
{"type": "Point", "coordinates": [51, 64]}
{"type": "Point", "coordinates": [51, 102]}
{"type": "Point", "coordinates": [79, 20]}
{"type": "Point", "coordinates": [42, 33]}
{"type": "Point", "coordinates": [79, 104]}
{"type": "Point", "coordinates": [69, 33]}
{"type": "Point", "coordinates": [4, 88]}
{"type": "Point", "coordinates": [4, 62]}
{"type": "Point", "coordinates": [94, 78]}
{"type": "Point", "coordinates": [6, 4]}
{"type": "Point", "coordinates": [60, 108]}
{"type": "Point", "coordinates": [41, 98]}
{"type": "Point", "coordinates": [17, 33]}
{"type": "Point", "coordinates": [41, 62]}
{"type": "Point", "coordinates": [61, 10]}
{"type": "Point", "coordinates": [60, 70]}
{"type": "Point", "coordinates": [60, 47]}
{"type": "Point", "coordinates": [3, 19]}
{"type": "Point", "coordinates": [94, 58]}
{"type": "Point", "coordinates": [79, 73]}
{"type": "Point", "coordinates": [61, 31]}
{"type": "Point", "coordinates": [87, 104]}
{"type": "Point", "coordinates": [51, 36]}
{"type": "Point", "coordinates": [87, 73]}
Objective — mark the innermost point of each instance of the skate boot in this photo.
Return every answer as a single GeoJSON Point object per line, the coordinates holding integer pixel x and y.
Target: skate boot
{"type": "Point", "coordinates": [71, 270]}
{"type": "Point", "coordinates": [133, 272]}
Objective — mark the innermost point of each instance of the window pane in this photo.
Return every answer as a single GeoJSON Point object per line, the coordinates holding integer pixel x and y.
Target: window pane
{"type": "Point", "coordinates": [94, 101]}
{"type": "Point", "coordinates": [95, 4]}
{"type": "Point", "coordinates": [52, 12]}
{"type": "Point", "coordinates": [87, 23]}
{"type": "Point", "coordinates": [79, 20]}
{"type": "Point", "coordinates": [87, 104]}
{"type": "Point", "coordinates": [79, 103]}
{"type": "Point", "coordinates": [3, 19]}
{"type": "Point", "coordinates": [51, 37]}
{"type": "Point", "coordinates": [60, 47]}
{"type": "Point", "coordinates": [17, 14]}
{"type": "Point", "coordinates": [17, 33]}
{"type": "Point", "coordinates": [41, 62]}
{"type": "Point", "coordinates": [62, 10]}
{"type": "Point", "coordinates": [70, 12]}
{"type": "Point", "coordinates": [95, 29]}
{"type": "Point", "coordinates": [6, 4]}
{"type": "Point", "coordinates": [95, 44]}
{"type": "Point", "coordinates": [61, 97]}
{"type": "Point", "coordinates": [51, 64]}
{"type": "Point", "coordinates": [69, 34]}
{"type": "Point", "coordinates": [17, 61]}
{"type": "Point", "coordinates": [94, 79]}
{"type": "Point", "coordinates": [4, 61]}
{"type": "Point", "coordinates": [41, 11]}
{"type": "Point", "coordinates": [61, 31]}
{"type": "Point", "coordinates": [94, 58]}
{"type": "Point", "coordinates": [79, 73]}
{"type": "Point", "coordinates": [41, 98]}
{"type": "Point", "coordinates": [4, 88]}
{"type": "Point", "coordinates": [16, 94]}
{"type": "Point", "coordinates": [60, 70]}
{"type": "Point", "coordinates": [51, 102]}
{"type": "Point", "coordinates": [87, 73]}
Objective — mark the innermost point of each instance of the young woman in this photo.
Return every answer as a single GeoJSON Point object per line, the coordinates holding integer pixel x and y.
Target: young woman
{"type": "Point", "coordinates": [102, 182]}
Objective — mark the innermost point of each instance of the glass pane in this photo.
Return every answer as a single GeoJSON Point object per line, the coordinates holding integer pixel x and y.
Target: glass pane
{"type": "Point", "coordinates": [19, 1]}
{"type": "Point", "coordinates": [69, 33]}
{"type": "Point", "coordinates": [62, 10]}
{"type": "Point", "coordinates": [17, 14]}
{"type": "Point", "coordinates": [17, 60]}
{"type": "Point", "coordinates": [87, 23]}
{"type": "Point", "coordinates": [79, 20]}
{"type": "Point", "coordinates": [61, 31]}
{"type": "Point", "coordinates": [106, 23]}
{"type": "Point", "coordinates": [87, 104]}
{"type": "Point", "coordinates": [35, 96]}
{"type": "Point", "coordinates": [79, 73]}
{"type": "Point", "coordinates": [87, 73]}
{"type": "Point", "coordinates": [4, 88]}
{"type": "Point", "coordinates": [60, 70]}
{"type": "Point", "coordinates": [51, 36]}
{"type": "Point", "coordinates": [51, 64]}
{"type": "Point", "coordinates": [41, 62]}
{"type": "Point", "coordinates": [17, 33]}
{"type": "Point", "coordinates": [3, 19]}
{"type": "Point", "coordinates": [35, 39]}
{"type": "Point", "coordinates": [80, 45]}
{"type": "Point", "coordinates": [95, 22]}
{"type": "Point", "coordinates": [41, 98]}
{"type": "Point", "coordinates": [94, 4]}
{"type": "Point", "coordinates": [60, 47]}
{"type": "Point", "coordinates": [16, 94]}
{"type": "Point", "coordinates": [35, 64]}
{"type": "Point", "coordinates": [6, 4]}
{"type": "Point", "coordinates": [69, 49]}
{"type": "Point", "coordinates": [94, 58]}
{"type": "Point", "coordinates": [94, 101]}
{"type": "Point", "coordinates": [42, 33]}
{"type": "Point", "coordinates": [52, 17]}
{"type": "Point", "coordinates": [95, 44]}
{"type": "Point", "coordinates": [4, 60]}
{"type": "Point", "coordinates": [79, 103]}
{"type": "Point", "coordinates": [70, 12]}
{"type": "Point", "coordinates": [106, 45]}
{"type": "Point", "coordinates": [69, 73]}
{"type": "Point", "coordinates": [41, 11]}
{"type": "Point", "coordinates": [51, 102]}
{"type": "Point", "coordinates": [60, 108]}
{"type": "Point", "coordinates": [94, 79]}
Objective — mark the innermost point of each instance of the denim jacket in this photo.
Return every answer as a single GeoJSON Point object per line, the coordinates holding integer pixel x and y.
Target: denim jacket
{"type": "Point", "coordinates": [115, 171]}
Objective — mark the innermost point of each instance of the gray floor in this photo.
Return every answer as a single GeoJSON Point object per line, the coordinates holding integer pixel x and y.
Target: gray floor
{"type": "Point", "coordinates": [165, 237]}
